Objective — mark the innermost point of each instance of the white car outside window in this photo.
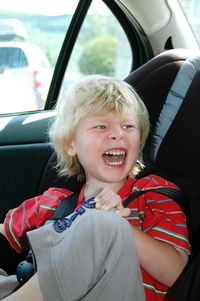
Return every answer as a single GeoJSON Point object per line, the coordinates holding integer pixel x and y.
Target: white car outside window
{"type": "Point", "coordinates": [26, 72]}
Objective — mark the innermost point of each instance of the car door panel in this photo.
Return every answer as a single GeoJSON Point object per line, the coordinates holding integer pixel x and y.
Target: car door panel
{"type": "Point", "coordinates": [24, 153]}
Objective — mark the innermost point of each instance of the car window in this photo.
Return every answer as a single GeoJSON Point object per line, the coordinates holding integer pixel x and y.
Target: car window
{"type": "Point", "coordinates": [101, 47]}
{"type": "Point", "coordinates": [191, 10]}
{"type": "Point", "coordinates": [31, 38]}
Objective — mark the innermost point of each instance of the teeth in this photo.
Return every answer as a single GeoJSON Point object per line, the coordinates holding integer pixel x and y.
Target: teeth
{"type": "Point", "coordinates": [115, 163]}
{"type": "Point", "coordinates": [115, 153]}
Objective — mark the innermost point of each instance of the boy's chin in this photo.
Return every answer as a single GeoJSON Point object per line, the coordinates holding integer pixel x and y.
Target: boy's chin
{"type": "Point", "coordinates": [114, 179]}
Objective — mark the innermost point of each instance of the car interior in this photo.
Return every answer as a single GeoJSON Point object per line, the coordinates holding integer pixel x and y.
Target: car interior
{"type": "Point", "coordinates": [163, 59]}
{"type": "Point", "coordinates": [180, 144]}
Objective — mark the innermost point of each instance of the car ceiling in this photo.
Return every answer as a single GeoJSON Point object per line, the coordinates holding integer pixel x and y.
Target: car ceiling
{"type": "Point", "coordinates": [149, 22]}
{"type": "Point", "coordinates": [168, 22]}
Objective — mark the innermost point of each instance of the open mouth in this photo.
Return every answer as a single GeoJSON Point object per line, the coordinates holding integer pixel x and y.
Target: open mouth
{"type": "Point", "coordinates": [115, 157]}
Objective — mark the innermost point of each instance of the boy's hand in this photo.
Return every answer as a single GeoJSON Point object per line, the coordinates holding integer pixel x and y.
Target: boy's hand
{"type": "Point", "coordinates": [2, 230]}
{"type": "Point", "coordinates": [107, 200]}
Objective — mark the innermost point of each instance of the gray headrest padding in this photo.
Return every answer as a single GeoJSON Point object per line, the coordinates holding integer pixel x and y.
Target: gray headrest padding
{"type": "Point", "coordinates": [174, 100]}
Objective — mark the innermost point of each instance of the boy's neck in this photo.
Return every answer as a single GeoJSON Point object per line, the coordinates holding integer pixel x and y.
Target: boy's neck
{"type": "Point", "coordinates": [93, 189]}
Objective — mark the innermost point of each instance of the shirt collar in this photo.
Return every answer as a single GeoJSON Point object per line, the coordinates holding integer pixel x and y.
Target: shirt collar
{"type": "Point", "coordinates": [124, 191]}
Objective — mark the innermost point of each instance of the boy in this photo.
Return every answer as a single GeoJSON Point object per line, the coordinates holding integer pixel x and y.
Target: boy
{"type": "Point", "coordinates": [99, 133]}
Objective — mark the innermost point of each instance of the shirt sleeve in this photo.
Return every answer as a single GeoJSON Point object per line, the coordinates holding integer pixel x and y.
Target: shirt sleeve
{"type": "Point", "coordinates": [165, 221]}
{"type": "Point", "coordinates": [158, 215]}
{"type": "Point", "coordinates": [31, 214]}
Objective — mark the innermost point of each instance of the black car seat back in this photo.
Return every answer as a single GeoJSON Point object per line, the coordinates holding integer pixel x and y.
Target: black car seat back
{"type": "Point", "coordinates": [169, 86]}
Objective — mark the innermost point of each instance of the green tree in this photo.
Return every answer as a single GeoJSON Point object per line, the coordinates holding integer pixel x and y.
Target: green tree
{"type": "Point", "coordinates": [99, 56]}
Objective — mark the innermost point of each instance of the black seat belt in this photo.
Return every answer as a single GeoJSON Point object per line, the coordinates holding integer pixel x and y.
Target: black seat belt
{"type": "Point", "coordinates": [173, 193]}
{"type": "Point", "coordinates": [66, 207]}
{"type": "Point", "coordinates": [26, 268]}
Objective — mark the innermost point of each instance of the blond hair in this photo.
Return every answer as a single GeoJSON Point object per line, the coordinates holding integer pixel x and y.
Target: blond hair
{"type": "Point", "coordinates": [92, 94]}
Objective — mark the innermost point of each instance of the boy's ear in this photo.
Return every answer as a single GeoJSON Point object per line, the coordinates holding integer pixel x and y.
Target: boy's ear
{"type": "Point", "coordinates": [71, 150]}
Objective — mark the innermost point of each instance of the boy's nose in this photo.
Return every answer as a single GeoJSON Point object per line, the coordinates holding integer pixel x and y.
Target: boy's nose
{"type": "Point", "coordinates": [117, 134]}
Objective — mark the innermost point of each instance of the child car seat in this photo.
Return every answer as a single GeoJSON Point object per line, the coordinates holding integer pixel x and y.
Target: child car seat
{"type": "Point", "coordinates": [168, 82]}
{"type": "Point", "coordinates": [177, 155]}
{"type": "Point", "coordinates": [169, 86]}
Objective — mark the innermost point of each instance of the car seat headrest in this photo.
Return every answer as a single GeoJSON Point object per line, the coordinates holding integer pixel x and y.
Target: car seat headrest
{"type": "Point", "coordinates": [175, 145]}
{"type": "Point", "coordinates": [169, 86]}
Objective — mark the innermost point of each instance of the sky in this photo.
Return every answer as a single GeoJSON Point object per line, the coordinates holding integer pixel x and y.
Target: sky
{"type": "Point", "coordinates": [46, 7]}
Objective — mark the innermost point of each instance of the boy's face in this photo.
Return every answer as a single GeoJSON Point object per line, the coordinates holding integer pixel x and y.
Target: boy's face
{"type": "Point", "coordinates": [107, 147]}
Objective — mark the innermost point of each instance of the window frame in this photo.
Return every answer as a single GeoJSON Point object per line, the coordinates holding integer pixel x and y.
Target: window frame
{"type": "Point", "coordinates": [140, 46]}
{"type": "Point", "coordinates": [65, 52]}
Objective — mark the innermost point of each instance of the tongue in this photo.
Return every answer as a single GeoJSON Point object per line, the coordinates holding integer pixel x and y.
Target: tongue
{"type": "Point", "coordinates": [113, 158]}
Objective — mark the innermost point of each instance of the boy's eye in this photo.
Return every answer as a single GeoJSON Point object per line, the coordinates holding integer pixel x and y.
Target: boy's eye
{"type": "Point", "coordinates": [100, 126]}
{"type": "Point", "coordinates": [127, 126]}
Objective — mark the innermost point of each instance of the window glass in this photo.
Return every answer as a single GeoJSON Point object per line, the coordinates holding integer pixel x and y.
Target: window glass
{"type": "Point", "coordinates": [12, 57]}
{"type": "Point", "coordinates": [101, 47]}
{"type": "Point", "coordinates": [31, 36]}
{"type": "Point", "coordinates": [191, 9]}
